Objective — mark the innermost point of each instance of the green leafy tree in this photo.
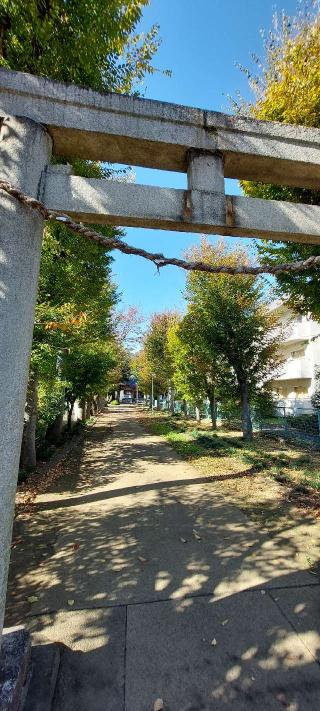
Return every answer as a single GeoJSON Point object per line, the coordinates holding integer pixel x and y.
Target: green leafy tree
{"type": "Point", "coordinates": [157, 354]}
{"type": "Point", "coordinates": [142, 370]}
{"type": "Point", "coordinates": [236, 324]}
{"type": "Point", "coordinates": [198, 372]}
{"type": "Point", "coordinates": [287, 89]}
{"type": "Point", "coordinates": [86, 371]}
{"type": "Point", "coordinates": [90, 43]}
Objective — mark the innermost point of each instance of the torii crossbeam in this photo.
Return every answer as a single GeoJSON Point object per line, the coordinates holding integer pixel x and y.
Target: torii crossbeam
{"type": "Point", "coordinates": [38, 115]}
{"type": "Point", "coordinates": [207, 145]}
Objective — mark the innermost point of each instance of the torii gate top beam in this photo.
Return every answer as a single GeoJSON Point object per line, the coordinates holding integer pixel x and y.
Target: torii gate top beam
{"type": "Point", "coordinates": [208, 145]}
{"type": "Point", "coordinates": [134, 131]}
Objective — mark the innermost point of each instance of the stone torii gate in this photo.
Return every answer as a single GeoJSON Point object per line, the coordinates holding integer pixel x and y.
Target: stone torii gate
{"type": "Point", "coordinates": [39, 116]}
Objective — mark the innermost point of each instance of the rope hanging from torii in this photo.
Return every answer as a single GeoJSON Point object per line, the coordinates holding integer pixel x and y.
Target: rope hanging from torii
{"type": "Point", "coordinates": [158, 259]}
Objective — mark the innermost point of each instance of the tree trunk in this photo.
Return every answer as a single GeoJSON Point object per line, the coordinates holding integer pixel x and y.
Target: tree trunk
{"type": "Point", "coordinates": [83, 410]}
{"type": "Point", "coordinates": [100, 403]}
{"type": "Point", "coordinates": [28, 458]}
{"type": "Point", "coordinates": [245, 412]}
{"type": "Point", "coordinates": [158, 402]}
{"type": "Point", "coordinates": [88, 409]}
{"type": "Point", "coordinates": [198, 416]}
{"type": "Point", "coordinates": [54, 431]}
{"type": "Point", "coordinates": [184, 407]}
{"type": "Point", "coordinates": [70, 412]}
{"type": "Point", "coordinates": [213, 409]}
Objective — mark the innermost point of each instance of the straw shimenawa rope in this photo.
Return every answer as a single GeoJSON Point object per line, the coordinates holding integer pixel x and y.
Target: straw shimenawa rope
{"type": "Point", "coordinates": [158, 259]}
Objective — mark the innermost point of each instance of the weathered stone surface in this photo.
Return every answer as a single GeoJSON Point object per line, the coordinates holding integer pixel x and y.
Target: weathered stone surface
{"type": "Point", "coordinates": [14, 668]}
{"type": "Point", "coordinates": [24, 154]}
{"type": "Point", "coordinates": [157, 134]}
{"type": "Point", "coordinates": [205, 172]}
{"type": "Point", "coordinates": [185, 211]}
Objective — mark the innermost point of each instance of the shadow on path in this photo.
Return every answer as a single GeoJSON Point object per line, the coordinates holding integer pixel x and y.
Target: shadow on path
{"type": "Point", "coordinates": [158, 587]}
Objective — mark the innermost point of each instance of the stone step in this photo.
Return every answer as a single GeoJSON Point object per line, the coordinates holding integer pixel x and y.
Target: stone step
{"type": "Point", "coordinates": [45, 662]}
{"type": "Point", "coordinates": [14, 668]}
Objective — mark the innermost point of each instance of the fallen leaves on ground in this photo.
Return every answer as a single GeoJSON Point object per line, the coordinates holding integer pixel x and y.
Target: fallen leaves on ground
{"type": "Point", "coordinates": [142, 559]}
{"type": "Point", "coordinates": [16, 543]}
{"type": "Point", "coordinates": [196, 535]}
{"type": "Point", "coordinates": [39, 481]}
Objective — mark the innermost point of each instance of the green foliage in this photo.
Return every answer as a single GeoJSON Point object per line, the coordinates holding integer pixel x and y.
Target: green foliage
{"type": "Point", "coordinates": [305, 422]}
{"type": "Point", "coordinates": [200, 373]}
{"type": "Point", "coordinates": [236, 326]}
{"type": "Point", "coordinates": [89, 43]}
{"type": "Point", "coordinates": [155, 357]}
{"type": "Point", "coordinates": [224, 348]}
{"type": "Point", "coordinates": [51, 395]}
{"type": "Point", "coordinates": [236, 323]}
{"type": "Point", "coordinates": [86, 371]}
{"type": "Point", "coordinates": [263, 403]}
{"type": "Point", "coordinates": [287, 89]}
{"type": "Point", "coordinates": [93, 44]}
{"type": "Point", "coordinates": [316, 396]}
{"type": "Point", "coordinates": [193, 371]}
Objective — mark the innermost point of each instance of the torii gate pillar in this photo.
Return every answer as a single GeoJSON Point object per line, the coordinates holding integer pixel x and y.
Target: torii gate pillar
{"type": "Point", "coordinates": [25, 150]}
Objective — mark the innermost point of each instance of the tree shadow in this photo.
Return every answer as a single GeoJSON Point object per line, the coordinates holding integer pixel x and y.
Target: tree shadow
{"type": "Point", "coordinates": [145, 574]}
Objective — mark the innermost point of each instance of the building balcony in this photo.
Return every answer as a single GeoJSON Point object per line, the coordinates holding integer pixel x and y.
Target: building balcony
{"type": "Point", "coordinates": [295, 369]}
{"type": "Point", "coordinates": [298, 331]}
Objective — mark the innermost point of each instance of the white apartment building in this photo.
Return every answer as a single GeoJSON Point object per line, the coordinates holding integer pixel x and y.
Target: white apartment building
{"type": "Point", "coordinates": [295, 384]}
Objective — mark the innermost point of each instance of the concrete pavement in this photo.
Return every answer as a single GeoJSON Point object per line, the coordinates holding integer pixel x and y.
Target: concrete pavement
{"type": "Point", "coordinates": [155, 586]}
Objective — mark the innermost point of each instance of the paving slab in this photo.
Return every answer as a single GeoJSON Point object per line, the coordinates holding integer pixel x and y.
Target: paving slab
{"type": "Point", "coordinates": [127, 551]}
{"type": "Point", "coordinates": [301, 606]}
{"type": "Point", "coordinates": [203, 655]}
{"type": "Point", "coordinates": [92, 647]}
{"type": "Point", "coordinates": [138, 524]}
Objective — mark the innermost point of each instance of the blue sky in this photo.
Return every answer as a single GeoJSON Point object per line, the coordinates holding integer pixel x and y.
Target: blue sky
{"type": "Point", "coordinates": [202, 41]}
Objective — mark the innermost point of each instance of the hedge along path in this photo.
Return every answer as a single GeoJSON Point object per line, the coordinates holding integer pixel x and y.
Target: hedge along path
{"type": "Point", "coordinates": [157, 258]}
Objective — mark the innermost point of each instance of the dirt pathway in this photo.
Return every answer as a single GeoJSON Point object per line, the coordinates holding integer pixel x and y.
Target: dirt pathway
{"type": "Point", "coordinates": [159, 588]}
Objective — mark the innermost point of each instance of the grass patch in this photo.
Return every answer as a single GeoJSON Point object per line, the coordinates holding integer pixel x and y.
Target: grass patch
{"type": "Point", "coordinates": [260, 475]}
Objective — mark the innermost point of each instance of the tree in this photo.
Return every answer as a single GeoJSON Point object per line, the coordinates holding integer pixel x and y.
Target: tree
{"type": "Point", "coordinates": [236, 325]}
{"type": "Point", "coordinates": [86, 371]}
{"type": "Point", "coordinates": [287, 89]}
{"type": "Point", "coordinates": [157, 354]}
{"type": "Point", "coordinates": [89, 43]}
{"type": "Point", "coordinates": [198, 372]}
{"type": "Point", "coordinates": [141, 369]}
